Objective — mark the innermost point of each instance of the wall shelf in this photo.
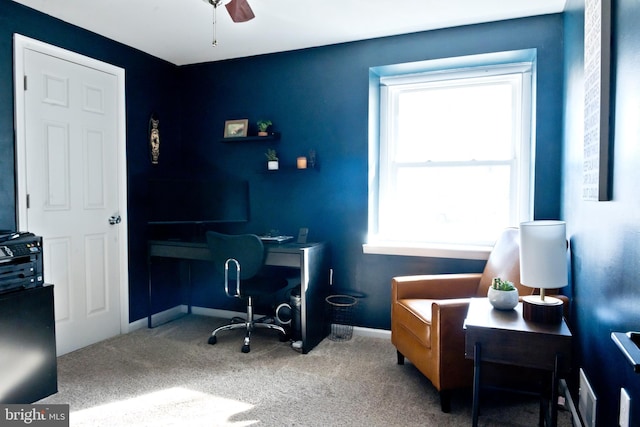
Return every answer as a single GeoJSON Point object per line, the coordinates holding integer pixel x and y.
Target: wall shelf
{"type": "Point", "coordinates": [289, 169]}
{"type": "Point", "coordinates": [273, 136]}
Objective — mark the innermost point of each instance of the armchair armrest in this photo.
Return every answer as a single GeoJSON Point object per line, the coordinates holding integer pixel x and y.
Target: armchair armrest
{"type": "Point", "coordinates": [449, 315]}
{"type": "Point", "coordinates": [436, 286]}
{"type": "Point", "coordinates": [448, 340]}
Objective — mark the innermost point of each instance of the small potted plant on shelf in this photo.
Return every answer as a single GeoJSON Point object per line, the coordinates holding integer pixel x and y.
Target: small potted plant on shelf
{"type": "Point", "coordinates": [502, 294]}
{"type": "Point", "coordinates": [263, 125]}
{"type": "Point", "coordinates": [272, 159]}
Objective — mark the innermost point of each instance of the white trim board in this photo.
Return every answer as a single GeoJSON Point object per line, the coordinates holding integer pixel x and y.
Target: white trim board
{"type": "Point", "coordinates": [181, 310]}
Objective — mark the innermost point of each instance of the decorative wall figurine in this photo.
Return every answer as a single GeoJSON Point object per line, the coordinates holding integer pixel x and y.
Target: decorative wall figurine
{"type": "Point", "coordinates": [154, 138]}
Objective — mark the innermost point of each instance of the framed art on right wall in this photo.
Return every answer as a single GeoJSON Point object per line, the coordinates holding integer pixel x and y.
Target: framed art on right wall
{"type": "Point", "coordinates": [597, 58]}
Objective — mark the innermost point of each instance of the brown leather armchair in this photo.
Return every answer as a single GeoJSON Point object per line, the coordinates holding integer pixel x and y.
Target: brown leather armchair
{"type": "Point", "coordinates": [428, 312]}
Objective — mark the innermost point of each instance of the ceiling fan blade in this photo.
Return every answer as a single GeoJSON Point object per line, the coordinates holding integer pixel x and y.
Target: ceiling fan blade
{"type": "Point", "coordinates": [240, 11]}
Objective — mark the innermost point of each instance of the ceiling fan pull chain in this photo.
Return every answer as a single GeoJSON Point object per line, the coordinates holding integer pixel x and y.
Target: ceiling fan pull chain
{"type": "Point", "coordinates": [215, 4]}
{"type": "Point", "coordinates": [215, 39]}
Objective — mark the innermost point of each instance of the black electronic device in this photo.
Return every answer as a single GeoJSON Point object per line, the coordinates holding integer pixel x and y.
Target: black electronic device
{"type": "Point", "coordinates": [188, 201]}
{"type": "Point", "coordinates": [302, 235]}
{"type": "Point", "coordinates": [21, 264]}
{"type": "Point", "coordinates": [28, 365]}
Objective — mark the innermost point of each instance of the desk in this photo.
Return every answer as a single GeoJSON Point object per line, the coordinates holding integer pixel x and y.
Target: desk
{"type": "Point", "coordinates": [312, 259]}
{"type": "Point", "coordinates": [505, 337]}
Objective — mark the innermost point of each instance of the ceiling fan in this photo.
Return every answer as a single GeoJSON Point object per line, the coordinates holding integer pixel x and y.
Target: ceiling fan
{"type": "Point", "coordinates": [239, 10]}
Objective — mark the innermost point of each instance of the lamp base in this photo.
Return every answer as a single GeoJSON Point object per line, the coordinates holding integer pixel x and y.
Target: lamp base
{"type": "Point", "coordinates": [536, 310]}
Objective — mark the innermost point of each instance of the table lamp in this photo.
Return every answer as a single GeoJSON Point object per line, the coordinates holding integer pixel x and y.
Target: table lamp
{"type": "Point", "coordinates": [543, 265]}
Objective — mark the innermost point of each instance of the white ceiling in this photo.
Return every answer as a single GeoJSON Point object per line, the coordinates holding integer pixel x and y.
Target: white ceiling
{"type": "Point", "coordinates": [180, 31]}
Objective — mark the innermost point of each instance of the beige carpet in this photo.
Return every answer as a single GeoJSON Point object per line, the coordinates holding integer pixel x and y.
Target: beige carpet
{"type": "Point", "coordinates": [170, 376]}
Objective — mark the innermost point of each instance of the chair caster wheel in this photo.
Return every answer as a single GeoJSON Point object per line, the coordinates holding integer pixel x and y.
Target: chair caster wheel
{"type": "Point", "coordinates": [283, 337]}
{"type": "Point", "coordinates": [245, 349]}
{"type": "Point", "coordinates": [212, 340]}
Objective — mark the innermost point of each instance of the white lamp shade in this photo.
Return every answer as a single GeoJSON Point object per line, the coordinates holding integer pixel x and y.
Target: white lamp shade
{"type": "Point", "coordinates": [543, 254]}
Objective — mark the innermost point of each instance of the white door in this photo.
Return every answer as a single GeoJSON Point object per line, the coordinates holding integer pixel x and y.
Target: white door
{"type": "Point", "coordinates": [72, 192]}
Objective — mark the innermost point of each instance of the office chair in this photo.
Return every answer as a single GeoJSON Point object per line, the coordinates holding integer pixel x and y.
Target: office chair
{"type": "Point", "coordinates": [245, 254]}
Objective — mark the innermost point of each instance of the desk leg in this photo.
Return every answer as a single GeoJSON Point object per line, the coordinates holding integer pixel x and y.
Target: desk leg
{"type": "Point", "coordinates": [476, 384]}
{"type": "Point", "coordinates": [554, 391]}
{"type": "Point", "coordinates": [189, 288]}
{"type": "Point", "coordinates": [149, 294]}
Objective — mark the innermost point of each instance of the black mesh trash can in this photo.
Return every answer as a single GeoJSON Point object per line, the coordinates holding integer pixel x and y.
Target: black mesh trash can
{"type": "Point", "coordinates": [340, 314]}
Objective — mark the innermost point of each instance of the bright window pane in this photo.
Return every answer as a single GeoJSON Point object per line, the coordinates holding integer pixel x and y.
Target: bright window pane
{"type": "Point", "coordinates": [456, 123]}
{"type": "Point", "coordinates": [449, 205]}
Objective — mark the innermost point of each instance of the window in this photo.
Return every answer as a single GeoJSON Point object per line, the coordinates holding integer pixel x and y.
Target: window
{"type": "Point", "coordinates": [451, 161]}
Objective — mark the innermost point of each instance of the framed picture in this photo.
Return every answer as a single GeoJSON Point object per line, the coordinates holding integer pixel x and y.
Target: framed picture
{"type": "Point", "coordinates": [597, 57]}
{"type": "Point", "coordinates": [235, 128]}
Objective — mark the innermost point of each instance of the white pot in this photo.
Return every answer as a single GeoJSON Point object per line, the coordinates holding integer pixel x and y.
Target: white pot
{"type": "Point", "coordinates": [503, 300]}
{"type": "Point", "coordinates": [272, 165]}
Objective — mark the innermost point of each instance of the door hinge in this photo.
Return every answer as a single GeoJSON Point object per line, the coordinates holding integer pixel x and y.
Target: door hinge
{"type": "Point", "coordinates": [28, 201]}
{"type": "Point", "coordinates": [25, 82]}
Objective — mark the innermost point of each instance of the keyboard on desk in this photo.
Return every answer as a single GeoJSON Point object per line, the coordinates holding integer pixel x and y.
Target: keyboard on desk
{"type": "Point", "coordinates": [276, 239]}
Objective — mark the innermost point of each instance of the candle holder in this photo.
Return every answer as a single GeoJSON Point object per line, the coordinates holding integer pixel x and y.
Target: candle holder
{"type": "Point", "coordinates": [301, 162]}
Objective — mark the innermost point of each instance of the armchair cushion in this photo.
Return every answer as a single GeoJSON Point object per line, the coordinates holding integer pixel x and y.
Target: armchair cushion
{"type": "Point", "coordinates": [415, 316]}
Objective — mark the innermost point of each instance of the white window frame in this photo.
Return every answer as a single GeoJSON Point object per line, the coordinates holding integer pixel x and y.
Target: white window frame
{"type": "Point", "coordinates": [386, 81]}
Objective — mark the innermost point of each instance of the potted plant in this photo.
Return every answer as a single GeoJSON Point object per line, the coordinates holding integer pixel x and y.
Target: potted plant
{"type": "Point", "coordinates": [263, 125]}
{"type": "Point", "coordinates": [502, 294]}
{"type": "Point", "coordinates": [272, 159]}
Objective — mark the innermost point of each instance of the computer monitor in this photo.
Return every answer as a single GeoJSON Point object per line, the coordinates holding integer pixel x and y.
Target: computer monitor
{"type": "Point", "coordinates": [188, 201]}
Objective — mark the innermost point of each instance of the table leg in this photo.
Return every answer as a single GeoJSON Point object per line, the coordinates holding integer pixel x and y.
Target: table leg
{"type": "Point", "coordinates": [476, 384]}
{"type": "Point", "coordinates": [555, 380]}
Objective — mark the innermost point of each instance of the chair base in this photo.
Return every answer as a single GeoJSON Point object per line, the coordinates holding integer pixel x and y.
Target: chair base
{"type": "Point", "coordinates": [249, 327]}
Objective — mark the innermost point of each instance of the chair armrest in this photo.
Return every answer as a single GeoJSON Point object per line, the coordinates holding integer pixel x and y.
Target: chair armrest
{"type": "Point", "coordinates": [435, 286]}
{"type": "Point", "coordinates": [447, 332]}
{"type": "Point", "coordinates": [450, 314]}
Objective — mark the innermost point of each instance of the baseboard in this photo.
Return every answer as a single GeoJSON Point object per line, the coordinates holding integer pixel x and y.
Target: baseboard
{"type": "Point", "coordinates": [160, 318]}
{"type": "Point", "coordinates": [180, 310]}
{"type": "Point", "coordinates": [569, 403]}
{"type": "Point", "coordinates": [371, 333]}
{"type": "Point", "coordinates": [222, 314]}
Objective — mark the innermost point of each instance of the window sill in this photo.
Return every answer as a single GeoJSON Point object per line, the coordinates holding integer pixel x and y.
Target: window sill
{"type": "Point", "coordinates": [431, 250]}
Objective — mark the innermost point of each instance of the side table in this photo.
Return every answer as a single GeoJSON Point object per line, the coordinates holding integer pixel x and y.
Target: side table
{"type": "Point", "coordinates": [505, 337]}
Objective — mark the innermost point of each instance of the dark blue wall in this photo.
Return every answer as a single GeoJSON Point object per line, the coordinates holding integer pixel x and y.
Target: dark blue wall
{"type": "Point", "coordinates": [318, 99]}
{"type": "Point", "coordinates": [604, 235]}
{"type": "Point", "coordinates": [150, 86]}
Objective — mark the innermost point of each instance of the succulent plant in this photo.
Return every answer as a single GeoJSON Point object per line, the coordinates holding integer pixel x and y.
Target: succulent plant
{"type": "Point", "coordinates": [263, 125]}
{"type": "Point", "coordinates": [502, 285]}
{"type": "Point", "coordinates": [271, 155]}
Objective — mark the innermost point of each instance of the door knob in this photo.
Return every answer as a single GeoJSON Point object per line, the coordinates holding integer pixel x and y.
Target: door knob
{"type": "Point", "coordinates": [115, 219]}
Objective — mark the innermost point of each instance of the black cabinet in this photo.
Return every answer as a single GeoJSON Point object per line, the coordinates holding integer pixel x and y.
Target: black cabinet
{"type": "Point", "coordinates": [28, 368]}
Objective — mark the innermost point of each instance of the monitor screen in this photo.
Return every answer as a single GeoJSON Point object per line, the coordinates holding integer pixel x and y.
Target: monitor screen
{"type": "Point", "coordinates": [175, 201]}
